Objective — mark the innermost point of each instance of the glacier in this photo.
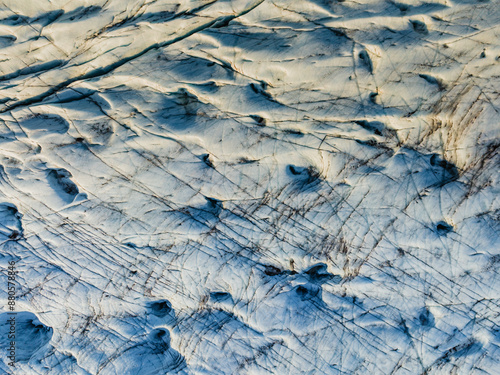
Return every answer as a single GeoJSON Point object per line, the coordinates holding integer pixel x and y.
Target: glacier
{"type": "Point", "coordinates": [250, 186]}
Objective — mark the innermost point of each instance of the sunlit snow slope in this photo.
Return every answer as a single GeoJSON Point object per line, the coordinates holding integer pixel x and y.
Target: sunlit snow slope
{"type": "Point", "coordinates": [251, 186]}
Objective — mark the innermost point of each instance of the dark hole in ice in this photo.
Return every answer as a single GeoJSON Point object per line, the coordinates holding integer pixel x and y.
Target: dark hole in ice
{"type": "Point", "coordinates": [48, 18]}
{"type": "Point", "coordinates": [403, 7]}
{"type": "Point", "coordinates": [82, 12]}
{"type": "Point", "coordinates": [219, 296]}
{"type": "Point", "coordinates": [318, 272]}
{"type": "Point", "coordinates": [301, 291]}
{"type": "Point", "coordinates": [260, 89]}
{"type": "Point", "coordinates": [369, 142]}
{"type": "Point", "coordinates": [206, 159]}
{"type": "Point", "coordinates": [375, 127]}
{"type": "Point", "coordinates": [62, 178]}
{"type": "Point", "coordinates": [307, 175]}
{"type": "Point", "coordinates": [184, 97]}
{"type": "Point", "coordinates": [363, 55]}
{"type": "Point", "coordinates": [443, 227]}
{"type": "Point", "coordinates": [419, 27]}
{"type": "Point", "coordinates": [272, 271]}
{"type": "Point", "coordinates": [450, 171]}
{"type": "Point", "coordinates": [160, 308]}
{"type": "Point", "coordinates": [254, 88]}
{"type": "Point", "coordinates": [317, 269]}
{"type": "Point", "coordinates": [246, 161]}
{"type": "Point", "coordinates": [426, 318]}
{"type": "Point", "coordinates": [10, 219]}
{"type": "Point", "coordinates": [44, 123]}
{"type": "Point", "coordinates": [159, 340]}
{"type": "Point", "coordinates": [214, 205]}
{"type": "Point", "coordinates": [307, 291]}
{"type": "Point", "coordinates": [14, 235]}
{"type": "Point", "coordinates": [31, 334]}
{"type": "Point", "coordinates": [259, 120]}
{"type": "Point", "coordinates": [294, 132]}
{"type": "Point", "coordinates": [373, 97]}
{"type": "Point", "coordinates": [160, 333]}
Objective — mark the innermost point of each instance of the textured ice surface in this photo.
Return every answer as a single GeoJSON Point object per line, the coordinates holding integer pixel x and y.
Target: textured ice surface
{"type": "Point", "coordinates": [251, 187]}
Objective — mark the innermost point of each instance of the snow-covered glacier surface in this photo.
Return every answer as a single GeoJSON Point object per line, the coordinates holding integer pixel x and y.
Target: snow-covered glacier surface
{"type": "Point", "coordinates": [251, 187]}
